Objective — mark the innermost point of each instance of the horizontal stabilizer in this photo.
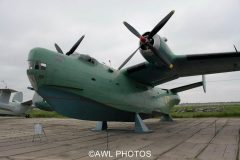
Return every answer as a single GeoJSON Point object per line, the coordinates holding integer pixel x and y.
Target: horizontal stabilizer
{"type": "Point", "coordinates": [7, 90]}
{"type": "Point", "coordinates": [27, 103]}
{"type": "Point", "coordinates": [191, 86]}
{"type": "Point", "coordinates": [187, 87]}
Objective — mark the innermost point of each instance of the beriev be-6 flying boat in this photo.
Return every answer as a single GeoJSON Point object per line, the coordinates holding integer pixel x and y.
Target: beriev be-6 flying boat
{"type": "Point", "coordinates": [78, 86]}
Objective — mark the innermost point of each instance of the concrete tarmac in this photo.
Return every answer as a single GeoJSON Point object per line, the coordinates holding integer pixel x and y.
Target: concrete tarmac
{"type": "Point", "coordinates": [68, 139]}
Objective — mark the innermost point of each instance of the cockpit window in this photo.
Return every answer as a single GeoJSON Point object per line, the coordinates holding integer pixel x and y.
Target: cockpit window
{"type": "Point", "coordinates": [37, 65]}
{"type": "Point", "coordinates": [43, 66]}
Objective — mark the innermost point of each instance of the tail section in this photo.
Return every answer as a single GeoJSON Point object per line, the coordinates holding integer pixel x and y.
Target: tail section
{"type": "Point", "coordinates": [5, 94]}
{"type": "Point", "coordinates": [191, 86]}
{"type": "Point", "coordinates": [18, 97]}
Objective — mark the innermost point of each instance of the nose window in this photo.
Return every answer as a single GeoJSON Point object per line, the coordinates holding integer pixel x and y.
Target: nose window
{"type": "Point", "coordinates": [37, 65]}
{"type": "Point", "coordinates": [43, 66]}
{"type": "Point", "coordinates": [31, 64]}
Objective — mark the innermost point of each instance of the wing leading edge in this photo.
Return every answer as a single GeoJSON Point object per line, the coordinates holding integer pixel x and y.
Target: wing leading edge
{"type": "Point", "coordinates": [185, 65]}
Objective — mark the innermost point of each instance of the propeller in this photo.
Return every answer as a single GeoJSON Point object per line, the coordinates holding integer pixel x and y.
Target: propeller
{"type": "Point", "coordinates": [162, 56]}
{"type": "Point", "coordinates": [146, 39]}
{"type": "Point", "coordinates": [72, 50]}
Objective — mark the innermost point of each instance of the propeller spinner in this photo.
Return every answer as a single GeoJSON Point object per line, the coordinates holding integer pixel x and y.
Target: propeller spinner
{"type": "Point", "coordinates": [146, 39]}
{"type": "Point", "coordinates": [72, 50]}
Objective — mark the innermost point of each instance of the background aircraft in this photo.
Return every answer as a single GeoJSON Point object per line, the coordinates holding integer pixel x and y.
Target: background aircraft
{"type": "Point", "coordinates": [16, 107]}
{"type": "Point", "coordinates": [78, 86]}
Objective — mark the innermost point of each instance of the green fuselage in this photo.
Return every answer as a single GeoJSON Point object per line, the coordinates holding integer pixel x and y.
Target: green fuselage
{"type": "Point", "coordinates": [60, 79]}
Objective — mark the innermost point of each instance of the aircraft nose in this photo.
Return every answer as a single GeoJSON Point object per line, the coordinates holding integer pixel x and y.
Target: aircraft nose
{"type": "Point", "coordinates": [37, 67]}
{"type": "Point", "coordinates": [38, 58]}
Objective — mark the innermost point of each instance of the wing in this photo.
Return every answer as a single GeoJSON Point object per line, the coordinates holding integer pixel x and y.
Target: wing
{"type": "Point", "coordinates": [185, 65]}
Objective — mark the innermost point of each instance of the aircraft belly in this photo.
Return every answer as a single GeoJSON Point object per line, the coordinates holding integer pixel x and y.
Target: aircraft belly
{"type": "Point", "coordinates": [79, 107]}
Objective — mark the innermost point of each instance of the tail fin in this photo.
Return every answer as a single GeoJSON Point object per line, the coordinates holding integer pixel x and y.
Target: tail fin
{"type": "Point", "coordinates": [18, 97]}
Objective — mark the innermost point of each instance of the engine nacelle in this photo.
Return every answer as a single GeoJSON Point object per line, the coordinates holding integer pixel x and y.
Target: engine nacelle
{"type": "Point", "coordinates": [160, 44]}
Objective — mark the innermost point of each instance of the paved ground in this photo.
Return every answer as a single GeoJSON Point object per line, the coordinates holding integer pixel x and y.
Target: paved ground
{"type": "Point", "coordinates": [205, 138]}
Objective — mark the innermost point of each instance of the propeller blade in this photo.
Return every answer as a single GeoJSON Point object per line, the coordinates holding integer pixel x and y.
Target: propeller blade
{"type": "Point", "coordinates": [160, 24]}
{"type": "Point", "coordinates": [75, 46]}
{"type": "Point", "coordinates": [123, 64]}
{"type": "Point", "coordinates": [235, 48]}
{"type": "Point", "coordinates": [131, 29]}
{"type": "Point", "coordinates": [58, 48]}
{"type": "Point", "coordinates": [161, 56]}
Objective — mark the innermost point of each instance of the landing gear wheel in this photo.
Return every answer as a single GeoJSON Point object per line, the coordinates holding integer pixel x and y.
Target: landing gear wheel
{"type": "Point", "coordinates": [27, 116]}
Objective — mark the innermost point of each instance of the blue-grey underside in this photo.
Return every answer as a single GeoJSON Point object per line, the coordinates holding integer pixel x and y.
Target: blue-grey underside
{"type": "Point", "coordinates": [79, 107]}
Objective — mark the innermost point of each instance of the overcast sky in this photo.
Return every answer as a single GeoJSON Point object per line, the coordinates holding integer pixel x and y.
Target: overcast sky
{"type": "Point", "coordinates": [202, 26]}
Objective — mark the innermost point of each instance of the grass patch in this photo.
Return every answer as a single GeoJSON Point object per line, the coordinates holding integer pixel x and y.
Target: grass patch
{"type": "Point", "coordinates": [37, 113]}
{"type": "Point", "coordinates": [204, 111]}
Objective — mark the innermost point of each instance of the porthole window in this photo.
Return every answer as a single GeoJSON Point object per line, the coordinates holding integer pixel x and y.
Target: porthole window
{"type": "Point", "coordinates": [110, 70]}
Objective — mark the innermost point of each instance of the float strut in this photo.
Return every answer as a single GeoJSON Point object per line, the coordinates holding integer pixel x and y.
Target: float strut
{"type": "Point", "coordinates": [166, 118]}
{"type": "Point", "coordinates": [140, 127]}
{"type": "Point", "coordinates": [101, 126]}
